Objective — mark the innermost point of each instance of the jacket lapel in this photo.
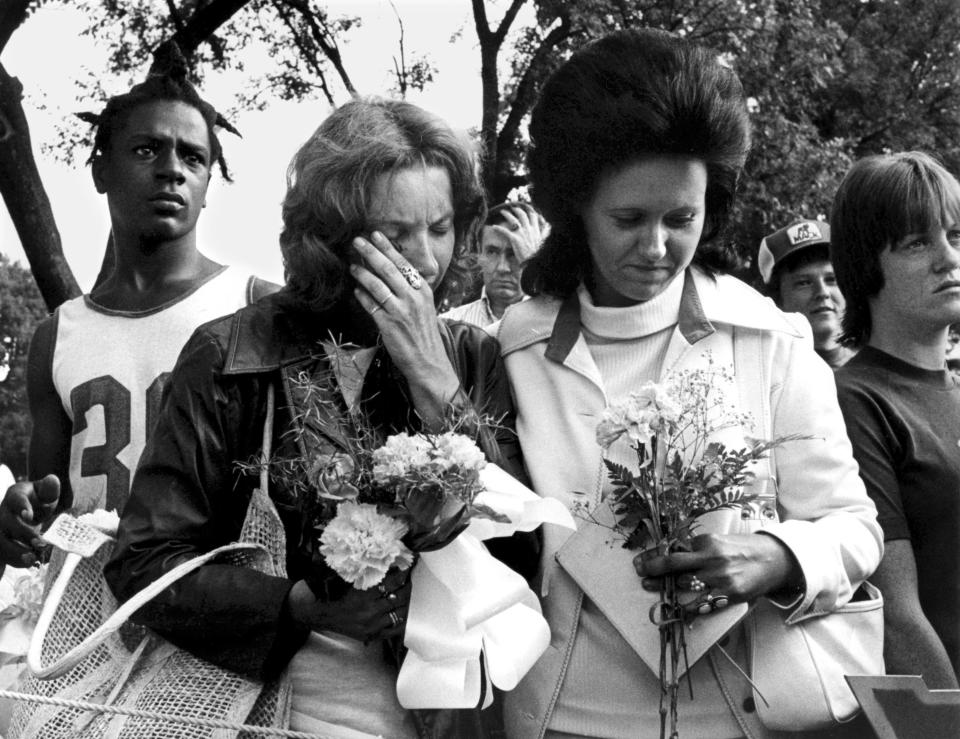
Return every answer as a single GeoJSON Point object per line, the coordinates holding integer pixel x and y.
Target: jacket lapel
{"type": "Point", "coordinates": [567, 345]}
{"type": "Point", "coordinates": [317, 411]}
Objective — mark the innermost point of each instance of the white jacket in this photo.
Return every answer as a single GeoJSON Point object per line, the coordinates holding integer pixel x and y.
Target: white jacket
{"type": "Point", "coordinates": [826, 518]}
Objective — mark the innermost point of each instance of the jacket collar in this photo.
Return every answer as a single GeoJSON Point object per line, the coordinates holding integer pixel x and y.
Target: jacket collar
{"type": "Point", "coordinates": [268, 335]}
{"type": "Point", "coordinates": [705, 301]}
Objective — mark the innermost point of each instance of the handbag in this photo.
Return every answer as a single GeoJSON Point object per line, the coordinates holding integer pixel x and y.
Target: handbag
{"type": "Point", "coordinates": [797, 668]}
{"type": "Point", "coordinates": [83, 649]}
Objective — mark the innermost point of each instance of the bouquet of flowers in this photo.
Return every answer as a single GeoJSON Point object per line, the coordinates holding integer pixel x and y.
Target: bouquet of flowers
{"type": "Point", "coordinates": [682, 473]}
{"type": "Point", "coordinates": [415, 493]}
{"type": "Point", "coordinates": [373, 502]}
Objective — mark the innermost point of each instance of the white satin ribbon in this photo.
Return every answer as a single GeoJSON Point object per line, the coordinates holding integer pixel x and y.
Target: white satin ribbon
{"type": "Point", "coordinates": [464, 605]}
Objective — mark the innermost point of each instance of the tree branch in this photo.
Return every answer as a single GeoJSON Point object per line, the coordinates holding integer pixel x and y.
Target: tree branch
{"type": "Point", "coordinates": [176, 18]}
{"type": "Point", "coordinates": [320, 36]}
{"type": "Point", "coordinates": [27, 201]}
{"type": "Point", "coordinates": [507, 21]}
{"type": "Point", "coordinates": [525, 91]}
{"type": "Point", "coordinates": [12, 14]}
{"type": "Point", "coordinates": [204, 22]}
{"type": "Point", "coordinates": [480, 20]}
{"type": "Point", "coordinates": [308, 58]}
{"type": "Point", "coordinates": [400, 68]}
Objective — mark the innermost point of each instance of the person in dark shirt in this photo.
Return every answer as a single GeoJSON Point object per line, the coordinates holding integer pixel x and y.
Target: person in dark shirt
{"type": "Point", "coordinates": [896, 252]}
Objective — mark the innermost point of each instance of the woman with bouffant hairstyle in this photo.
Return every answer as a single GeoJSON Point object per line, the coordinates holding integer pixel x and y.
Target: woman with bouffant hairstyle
{"type": "Point", "coordinates": [581, 129]}
{"type": "Point", "coordinates": [330, 186]}
{"type": "Point", "coordinates": [637, 144]}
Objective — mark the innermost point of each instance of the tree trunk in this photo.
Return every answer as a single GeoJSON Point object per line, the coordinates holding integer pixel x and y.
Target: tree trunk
{"type": "Point", "coordinates": [27, 201]}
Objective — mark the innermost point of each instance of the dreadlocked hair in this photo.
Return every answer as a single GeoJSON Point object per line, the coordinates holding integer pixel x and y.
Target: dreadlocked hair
{"type": "Point", "coordinates": [166, 80]}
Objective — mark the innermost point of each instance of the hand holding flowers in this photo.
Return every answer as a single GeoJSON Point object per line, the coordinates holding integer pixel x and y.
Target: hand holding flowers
{"type": "Point", "coordinates": [684, 475]}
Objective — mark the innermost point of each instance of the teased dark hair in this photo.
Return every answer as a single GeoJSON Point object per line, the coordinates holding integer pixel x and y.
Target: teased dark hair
{"type": "Point", "coordinates": [628, 95]}
{"type": "Point", "coordinates": [881, 200]}
{"type": "Point", "coordinates": [329, 186]}
{"type": "Point", "coordinates": [166, 81]}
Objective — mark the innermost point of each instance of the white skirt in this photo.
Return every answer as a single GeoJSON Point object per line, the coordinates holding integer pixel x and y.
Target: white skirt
{"type": "Point", "coordinates": [344, 690]}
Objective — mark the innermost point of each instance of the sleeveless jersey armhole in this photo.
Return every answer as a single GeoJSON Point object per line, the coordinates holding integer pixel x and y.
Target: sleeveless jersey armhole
{"type": "Point", "coordinates": [40, 356]}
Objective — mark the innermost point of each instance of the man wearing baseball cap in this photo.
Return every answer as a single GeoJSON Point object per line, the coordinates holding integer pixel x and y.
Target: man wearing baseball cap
{"type": "Point", "coordinates": [795, 265]}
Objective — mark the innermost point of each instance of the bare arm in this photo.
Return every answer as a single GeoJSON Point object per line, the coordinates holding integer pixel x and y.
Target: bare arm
{"type": "Point", "coordinates": [28, 505]}
{"type": "Point", "coordinates": [52, 429]}
{"type": "Point", "coordinates": [911, 646]}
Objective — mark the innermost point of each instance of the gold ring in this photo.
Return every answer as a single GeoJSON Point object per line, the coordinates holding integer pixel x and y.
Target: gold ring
{"type": "Point", "coordinates": [411, 275]}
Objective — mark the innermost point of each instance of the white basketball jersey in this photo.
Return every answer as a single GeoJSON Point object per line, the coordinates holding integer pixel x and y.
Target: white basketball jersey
{"type": "Point", "coordinates": [109, 368]}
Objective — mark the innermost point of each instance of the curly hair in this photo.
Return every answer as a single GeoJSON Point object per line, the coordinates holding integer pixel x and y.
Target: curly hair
{"type": "Point", "coordinates": [628, 95]}
{"type": "Point", "coordinates": [330, 181]}
{"type": "Point", "coordinates": [166, 81]}
{"type": "Point", "coordinates": [882, 199]}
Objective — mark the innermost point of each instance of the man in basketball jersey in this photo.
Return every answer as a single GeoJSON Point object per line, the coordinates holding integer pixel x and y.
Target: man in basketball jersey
{"type": "Point", "coordinates": [97, 366]}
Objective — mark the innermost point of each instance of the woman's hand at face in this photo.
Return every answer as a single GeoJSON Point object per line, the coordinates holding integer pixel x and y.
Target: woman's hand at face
{"type": "Point", "coordinates": [401, 304]}
{"type": "Point", "coordinates": [741, 567]}
{"type": "Point", "coordinates": [365, 615]}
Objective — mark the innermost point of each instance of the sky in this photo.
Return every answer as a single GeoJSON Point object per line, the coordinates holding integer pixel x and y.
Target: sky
{"type": "Point", "coordinates": [241, 223]}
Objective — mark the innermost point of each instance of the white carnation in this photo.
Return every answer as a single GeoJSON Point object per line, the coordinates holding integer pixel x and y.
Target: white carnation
{"type": "Point", "coordinates": [456, 450]}
{"type": "Point", "coordinates": [398, 455]}
{"type": "Point", "coordinates": [361, 544]}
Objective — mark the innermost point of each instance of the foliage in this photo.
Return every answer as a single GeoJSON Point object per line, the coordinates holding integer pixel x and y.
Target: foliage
{"type": "Point", "coordinates": [21, 308]}
{"type": "Point", "coordinates": [827, 80]}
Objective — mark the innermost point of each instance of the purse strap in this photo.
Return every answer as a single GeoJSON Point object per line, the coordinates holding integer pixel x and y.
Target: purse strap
{"type": "Point", "coordinates": [75, 655]}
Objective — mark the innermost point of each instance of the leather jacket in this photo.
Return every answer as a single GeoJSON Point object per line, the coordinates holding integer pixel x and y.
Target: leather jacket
{"type": "Point", "coordinates": [189, 495]}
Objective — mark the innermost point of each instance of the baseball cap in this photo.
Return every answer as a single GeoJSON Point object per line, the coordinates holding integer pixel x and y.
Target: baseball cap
{"type": "Point", "coordinates": [780, 244]}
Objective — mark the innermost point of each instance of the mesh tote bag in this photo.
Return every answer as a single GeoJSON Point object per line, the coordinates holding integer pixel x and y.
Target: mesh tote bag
{"type": "Point", "coordinates": [84, 649]}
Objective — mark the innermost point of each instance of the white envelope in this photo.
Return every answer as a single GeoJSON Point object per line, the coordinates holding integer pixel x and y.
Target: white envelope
{"type": "Point", "coordinates": [597, 561]}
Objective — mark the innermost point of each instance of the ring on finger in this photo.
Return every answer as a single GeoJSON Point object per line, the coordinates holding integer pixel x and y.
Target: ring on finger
{"type": "Point", "coordinates": [711, 603]}
{"type": "Point", "coordinates": [696, 584]}
{"type": "Point", "coordinates": [411, 275]}
{"type": "Point", "coordinates": [395, 618]}
{"type": "Point", "coordinates": [376, 308]}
